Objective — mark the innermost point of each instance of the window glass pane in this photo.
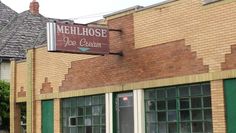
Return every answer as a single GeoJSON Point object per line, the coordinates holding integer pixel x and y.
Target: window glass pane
{"type": "Point", "coordinates": [73, 130]}
{"type": "Point", "coordinates": [150, 105]}
{"type": "Point", "coordinates": [185, 127]}
{"type": "Point", "coordinates": [172, 116]}
{"type": "Point", "coordinates": [185, 115]}
{"type": "Point", "coordinates": [184, 103]}
{"type": "Point", "coordinates": [195, 90]}
{"type": "Point", "coordinates": [65, 122]}
{"type": "Point", "coordinates": [172, 127]}
{"type": "Point", "coordinates": [102, 129]}
{"type": "Point", "coordinates": [95, 100]}
{"type": "Point", "coordinates": [151, 117]}
{"type": "Point", "coordinates": [73, 102]}
{"type": "Point", "coordinates": [80, 130]}
{"type": "Point", "coordinates": [151, 128]}
{"type": "Point", "coordinates": [66, 130]}
{"type": "Point", "coordinates": [161, 94]}
{"type": "Point", "coordinates": [96, 110]}
{"type": "Point", "coordinates": [161, 105]}
{"type": "Point", "coordinates": [207, 101]}
{"type": "Point", "coordinates": [88, 110]}
{"type": "Point", "coordinates": [207, 114]}
{"type": "Point", "coordinates": [172, 104]}
{"type": "Point", "coordinates": [74, 111]}
{"type": "Point", "coordinates": [102, 99]}
{"type": "Point", "coordinates": [80, 111]}
{"type": "Point", "coordinates": [183, 91]}
{"type": "Point", "coordinates": [66, 112]}
{"type": "Point", "coordinates": [150, 94]}
{"type": "Point", "coordinates": [196, 114]}
{"type": "Point", "coordinates": [96, 129]}
{"type": "Point", "coordinates": [80, 121]}
{"type": "Point", "coordinates": [88, 101]}
{"type": "Point", "coordinates": [80, 101]}
{"type": "Point", "coordinates": [96, 120]}
{"type": "Point", "coordinates": [88, 129]}
{"type": "Point", "coordinates": [103, 109]}
{"type": "Point", "coordinates": [102, 119]}
{"type": "Point", "coordinates": [197, 127]}
{"type": "Point", "coordinates": [161, 116]}
{"type": "Point", "coordinates": [171, 93]}
{"type": "Point", "coordinates": [206, 89]}
{"type": "Point", "coordinates": [208, 127]}
{"type": "Point", "coordinates": [88, 121]}
{"type": "Point", "coordinates": [196, 102]}
{"type": "Point", "coordinates": [162, 127]}
{"type": "Point", "coordinates": [66, 103]}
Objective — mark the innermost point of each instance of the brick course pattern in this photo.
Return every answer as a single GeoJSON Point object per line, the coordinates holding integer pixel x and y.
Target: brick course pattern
{"type": "Point", "coordinates": [53, 66]}
{"type": "Point", "coordinates": [21, 70]}
{"type": "Point", "coordinates": [154, 62]}
{"type": "Point", "coordinates": [218, 108]}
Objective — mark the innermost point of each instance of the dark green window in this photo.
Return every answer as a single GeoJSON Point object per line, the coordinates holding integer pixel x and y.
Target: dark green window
{"type": "Point", "coordinates": [179, 109]}
{"type": "Point", "coordinates": [83, 114]}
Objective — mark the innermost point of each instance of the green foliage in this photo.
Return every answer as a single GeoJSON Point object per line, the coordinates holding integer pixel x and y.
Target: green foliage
{"type": "Point", "coordinates": [4, 103]}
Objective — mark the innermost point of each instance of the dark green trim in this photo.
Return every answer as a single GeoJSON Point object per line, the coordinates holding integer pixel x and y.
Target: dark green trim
{"type": "Point", "coordinates": [230, 105]}
{"type": "Point", "coordinates": [47, 116]}
{"type": "Point", "coordinates": [114, 114]}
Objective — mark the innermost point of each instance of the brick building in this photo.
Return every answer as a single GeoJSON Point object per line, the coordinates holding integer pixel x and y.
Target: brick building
{"type": "Point", "coordinates": [177, 75]}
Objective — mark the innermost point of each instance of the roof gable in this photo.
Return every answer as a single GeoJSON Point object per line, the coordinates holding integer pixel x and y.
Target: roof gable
{"type": "Point", "coordinates": [6, 15]}
{"type": "Point", "coordinates": [24, 31]}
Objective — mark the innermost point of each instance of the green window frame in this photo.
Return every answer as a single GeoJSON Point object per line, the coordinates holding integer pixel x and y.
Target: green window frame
{"type": "Point", "coordinates": [83, 114]}
{"type": "Point", "coordinates": [179, 109]}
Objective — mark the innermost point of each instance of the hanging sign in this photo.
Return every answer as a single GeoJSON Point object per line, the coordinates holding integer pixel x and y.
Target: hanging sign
{"type": "Point", "coordinates": [77, 38]}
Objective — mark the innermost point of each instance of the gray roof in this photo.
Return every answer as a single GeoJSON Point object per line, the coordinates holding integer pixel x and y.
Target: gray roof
{"type": "Point", "coordinates": [6, 14]}
{"type": "Point", "coordinates": [21, 31]}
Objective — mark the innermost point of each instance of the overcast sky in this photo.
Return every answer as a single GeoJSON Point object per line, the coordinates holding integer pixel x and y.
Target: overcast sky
{"type": "Point", "coordinates": [83, 10]}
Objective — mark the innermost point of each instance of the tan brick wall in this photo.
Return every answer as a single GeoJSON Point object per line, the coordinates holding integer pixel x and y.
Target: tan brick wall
{"type": "Point", "coordinates": [38, 117]}
{"type": "Point", "coordinates": [21, 71]}
{"type": "Point", "coordinates": [218, 108]}
{"type": "Point", "coordinates": [54, 66]}
{"type": "Point", "coordinates": [57, 115]}
{"type": "Point", "coordinates": [208, 29]}
{"type": "Point", "coordinates": [14, 108]}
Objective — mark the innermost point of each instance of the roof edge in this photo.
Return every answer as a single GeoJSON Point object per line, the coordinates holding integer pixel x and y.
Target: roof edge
{"type": "Point", "coordinates": [156, 5]}
{"type": "Point", "coordinates": [135, 8]}
{"type": "Point", "coordinates": [138, 8]}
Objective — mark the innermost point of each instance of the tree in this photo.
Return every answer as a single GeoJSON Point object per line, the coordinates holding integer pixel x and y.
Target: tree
{"type": "Point", "coordinates": [4, 104]}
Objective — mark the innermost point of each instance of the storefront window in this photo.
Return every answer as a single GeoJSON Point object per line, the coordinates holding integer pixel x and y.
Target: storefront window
{"type": "Point", "coordinates": [83, 114]}
{"type": "Point", "coordinates": [180, 109]}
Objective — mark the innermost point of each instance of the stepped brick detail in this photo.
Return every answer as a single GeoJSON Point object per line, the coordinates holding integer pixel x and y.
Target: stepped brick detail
{"type": "Point", "coordinates": [230, 60]}
{"type": "Point", "coordinates": [46, 87]}
{"type": "Point", "coordinates": [22, 92]}
{"type": "Point", "coordinates": [154, 62]}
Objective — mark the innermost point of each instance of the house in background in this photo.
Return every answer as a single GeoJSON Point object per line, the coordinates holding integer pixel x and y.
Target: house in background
{"type": "Point", "coordinates": [19, 32]}
{"type": "Point", "coordinates": [6, 15]}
